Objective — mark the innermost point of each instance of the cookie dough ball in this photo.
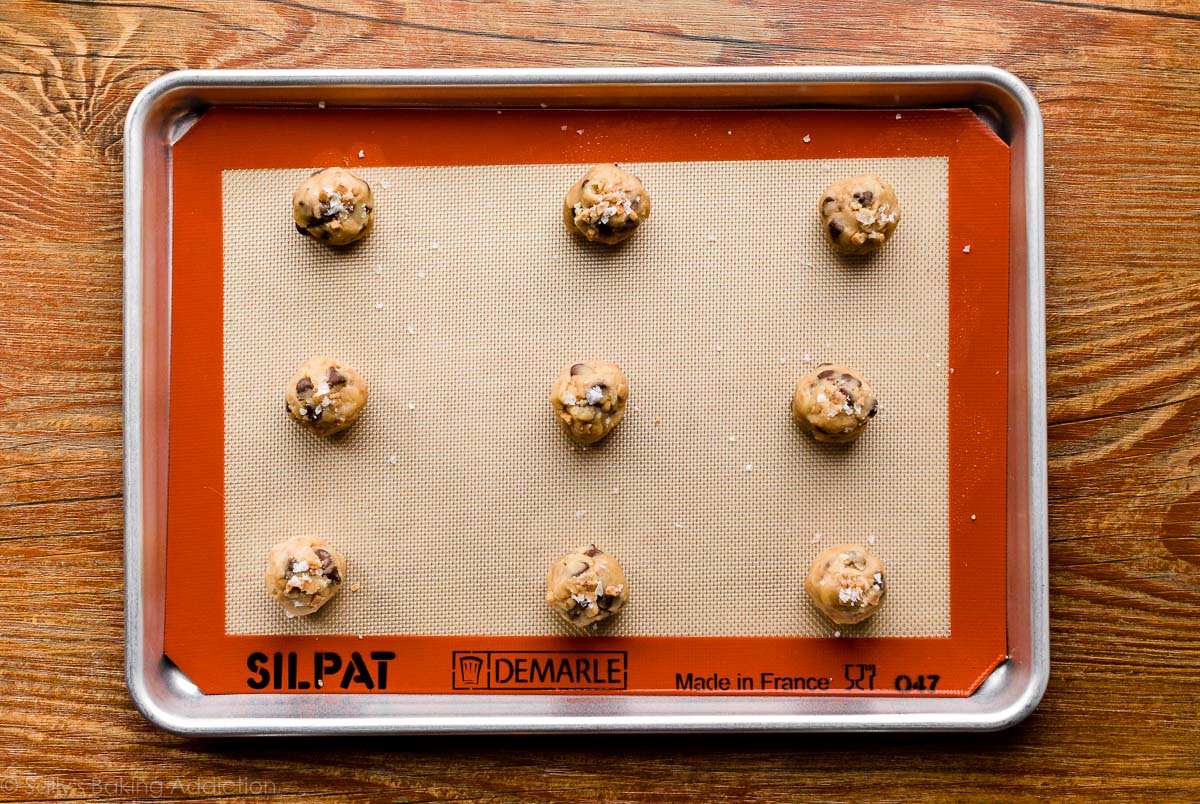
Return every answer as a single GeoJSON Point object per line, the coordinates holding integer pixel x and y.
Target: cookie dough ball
{"type": "Point", "coordinates": [333, 206]}
{"type": "Point", "coordinates": [589, 399]}
{"type": "Point", "coordinates": [833, 403]}
{"type": "Point", "coordinates": [303, 574]}
{"type": "Point", "coordinates": [846, 583]}
{"type": "Point", "coordinates": [608, 204]}
{"type": "Point", "coordinates": [859, 214]}
{"type": "Point", "coordinates": [325, 396]}
{"type": "Point", "coordinates": [586, 586]}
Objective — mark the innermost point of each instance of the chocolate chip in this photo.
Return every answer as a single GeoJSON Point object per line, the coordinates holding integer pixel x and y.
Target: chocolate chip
{"type": "Point", "coordinates": [335, 377]}
{"type": "Point", "coordinates": [846, 376]}
{"type": "Point", "coordinates": [324, 234]}
{"type": "Point", "coordinates": [333, 575]}
{"type": "Point", "coordinates": [849, 399]}
{"type": "Point", "coordinates": [582, 570]}
{"type": "Point", "coordinates": [367, 208]}
{"type": "Point", "coordinates": [575, 369]}
{"type": "Point", "coordinates": [313, 413]}
{"type": "Point", "coordinates": [606, 602]}
{"type": "Point", "coordinates": [302, 230]}
{"type": "Point", "coordinates": [315, 172]}
{"type": "Point", "coordinates": [826, 374]}
{"type": "Point", "coordinates": [826, 201]}
{"type": "Point", "coordinates": [592, 551]}
{"type": "Point", "coordinates": [835, 229]}
{"type": "Point", "coordinates": [604, 228]}
{"type": "Point", "coordinates": [326, 559]}
{"type": "Point", "coordinates": [635, 203]}
{"type": "Point", "coordinates": [575, 611]}
{"type": "Point", "coordinates": [865, 197]}
{"type": "Point", "coordinates": [303, 384]}
{"type": "Point", "coordinates": [874, 409]}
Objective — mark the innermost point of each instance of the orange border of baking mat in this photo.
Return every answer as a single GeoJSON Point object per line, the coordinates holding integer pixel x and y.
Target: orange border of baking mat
{"type": "Point", "coordinates": [231, 138]}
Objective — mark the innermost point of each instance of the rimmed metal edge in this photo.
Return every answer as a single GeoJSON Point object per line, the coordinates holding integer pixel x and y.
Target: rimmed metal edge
{"type": "Point", "coordinates": [163, 110]}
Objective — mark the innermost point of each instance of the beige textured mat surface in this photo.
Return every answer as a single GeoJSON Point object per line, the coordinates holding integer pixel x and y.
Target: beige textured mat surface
{"type": "Point", "coordinates": [455, 491]}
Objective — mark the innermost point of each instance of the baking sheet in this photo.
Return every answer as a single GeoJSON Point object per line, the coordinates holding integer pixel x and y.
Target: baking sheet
{"type": "Point", "coordinates": [455, 491]}
{"type": "Point", "coordinates": [219, 661]}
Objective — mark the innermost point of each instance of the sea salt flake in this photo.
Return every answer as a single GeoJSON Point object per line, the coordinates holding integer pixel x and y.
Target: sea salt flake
{"type": "Point", "coordinates": [544, 106]}
{"type": "Point", "coordinates": [300, 566]}
{"type": "Point", "coordinates": [361, 154]}
{"type": "Point", "coordinates": [392, 459]}
{"type": "Point", "coordinates": [378, 269]}
{"type": "Point", "coordinates": [837, 634]}
{"type": "Point", "coordinates": [966, 249]}
{"type": "Point", "coordinates": [595, 394]}
{"type": "Point", "coordinates": [564, 128]}
{"type": "Point", "coordinates": [972, 517]}
{"type": "Point", "coordinates": [616, 491]}
{"type": "Point", "coordinates": [568, 399]}
{"type": "Point", "coordinates": [580, 514]}
{"type": "Point", "coordinates": [410, 329]}
{"type": "Point", "coordinates": [897, 115]}
{"type": "Point", "coordinates": [411, 406]}
{"type": "Point", "coordinates": [435, 245]}
{"type": "Point", "coordinates": [378, 305]}
{"type": "Point", "coordinates": [749, 467]}
{"type": "Point", "coordinates": [871, 540]}
{"type": "Point", "coordinates": [320, 104]}
{"type": "Point", "coordinates": [807, 138]}
{"type": "Point", "coordinates": [579, 131]}
{"type": "Point", "coordinates": [420, 274]}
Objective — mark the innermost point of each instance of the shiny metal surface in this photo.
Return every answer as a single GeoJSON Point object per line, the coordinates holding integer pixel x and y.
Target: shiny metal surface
{"type": "Point", "coordinates": [164, 110]}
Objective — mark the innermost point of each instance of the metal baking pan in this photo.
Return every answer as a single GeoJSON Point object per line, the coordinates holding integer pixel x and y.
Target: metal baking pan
{"type": "Point", "coordinates": [168, 106]}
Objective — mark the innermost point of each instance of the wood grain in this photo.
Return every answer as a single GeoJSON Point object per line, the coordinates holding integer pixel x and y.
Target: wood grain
{"type": "Point", "coordinates": [1117, 82]}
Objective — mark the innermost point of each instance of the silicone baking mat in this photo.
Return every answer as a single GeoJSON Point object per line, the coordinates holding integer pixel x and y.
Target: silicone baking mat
{"type": "Point", "coordinates": [455, 491]}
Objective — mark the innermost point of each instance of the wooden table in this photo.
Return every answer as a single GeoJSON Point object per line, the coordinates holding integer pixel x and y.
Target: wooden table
{"type": "Point", "coordinates": [1118, 87]}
